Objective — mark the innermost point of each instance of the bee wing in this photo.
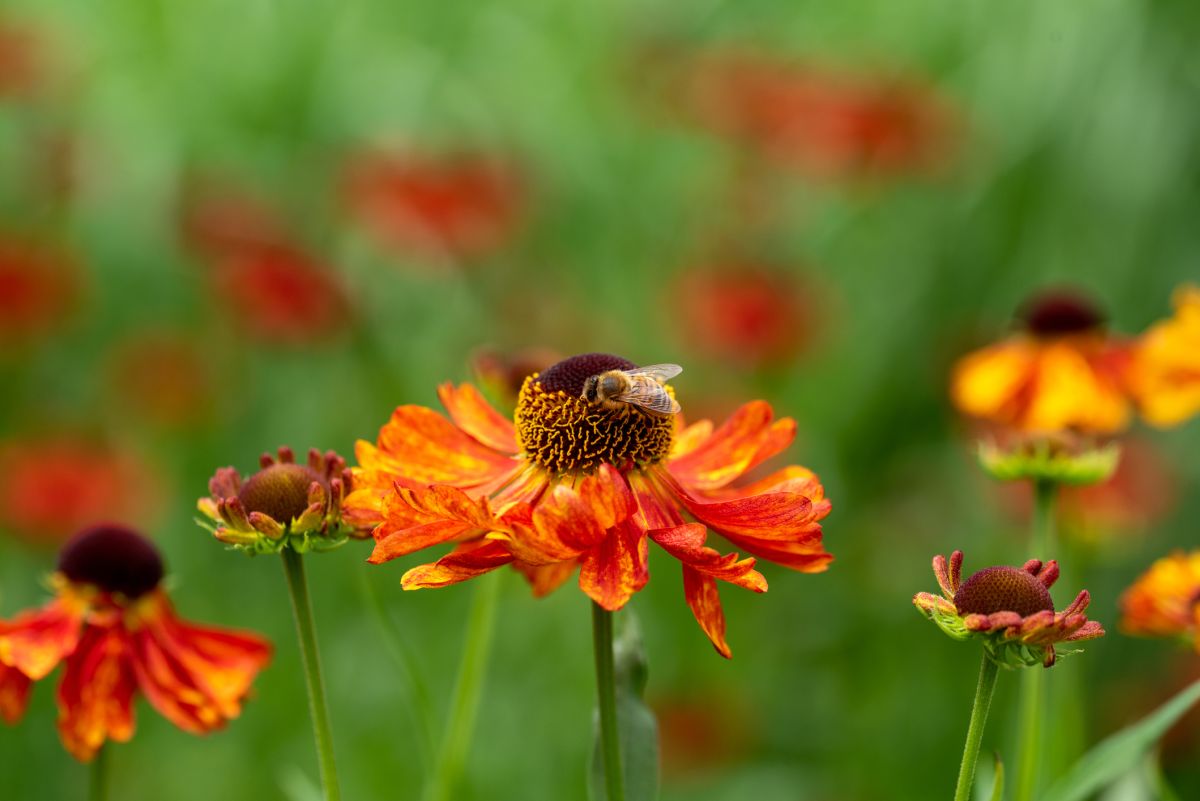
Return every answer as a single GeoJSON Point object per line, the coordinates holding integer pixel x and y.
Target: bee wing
{"type": "Point", "coordinates": [647, 393]}
{"type": "Point", "coordinates": [659, 372]}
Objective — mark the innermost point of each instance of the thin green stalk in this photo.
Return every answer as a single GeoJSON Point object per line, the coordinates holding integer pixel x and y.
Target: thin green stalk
{"type": "Point", "coordinates": [988, 671]}
{"type": "Point", "coordinates": [610, 738]}
{"type": "Point", "coordinates": [418, 704]}
{"type": "Point", "coordinates": [98, 783]}
{"type": "Point", "coordinates": [460, 723]}
{"type": "Point", "coordinates": [1033, 679]}
{"type": "Point", "coordinates": [293, 569]}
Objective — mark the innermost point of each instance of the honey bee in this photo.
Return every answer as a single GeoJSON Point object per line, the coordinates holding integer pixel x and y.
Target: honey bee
{"type": "Point", "coordinates": [642, 387]}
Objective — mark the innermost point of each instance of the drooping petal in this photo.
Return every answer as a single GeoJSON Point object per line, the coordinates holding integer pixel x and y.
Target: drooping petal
{"type": "Point", "coordinates": [746, 439]}
{"type": "Point", "coordinates": [705, 602]}
{"type": "Point", "coordinates": [611, 572]}
{"type": "Point", "coordinates": [14, 694]}
{"type": "Point", "coordinates": [35, 641]}
{"type": "Point", "coordinates": [417, 518]}
{"type": "Point", "coordinates": [467, 561]}
{"type": "Point", "coordinates": [1164, 374]}
{"type": "Point", "coordinates": [95, 697]}
{"type": "Point", "coordinates": [421, 445]}
{"type": "Point", "coordinates": [1074, 391]}
{"type": "Point", "coordinates": [391, 543]}
{"type": "Point", "coordinates": [471, 412]}
{"type": "Point", "coordinates": [805, 555]}
{"type": "Point", "coordinates": [545, 579]}
{"type": "Point", "coordinates": [686, 543]}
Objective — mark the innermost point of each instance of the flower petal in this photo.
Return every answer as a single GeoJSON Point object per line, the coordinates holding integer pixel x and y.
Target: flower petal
{"type": "Point", "coordinates": [705, 602]}
{"type": "Point", "coordinates": [95, 697]}
{"type": "Point", "coordinates": [471, 412]}
{"type": "Point", "coordinates": [986, 381]}
{"type": "Point", "coordinates": [417, 518]}
{"type": "Point", "coordinates": [1165, 372]}
{"type": "Point", "coordinates": [35, 641]}
{"type": "Point", "coordinates": [745, 440]}
{"type": "Point", "coordinates": [421, 445]}
{"type": "Point", "coordinates": [14, 694]}
{"type": "Point", "coordinates": [615, 569]}
{"type": "Point", "coordinates": [686, 543]}
{"type": "Point", "coordinates": [545, 579]}
{"type": "Point", "coordinates": [467, 561]}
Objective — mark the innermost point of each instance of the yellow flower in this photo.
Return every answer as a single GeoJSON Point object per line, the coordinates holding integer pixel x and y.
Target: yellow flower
{"type": "Point", "coordinates": [1165, 600]}
{"type": "Point", "coordinates": [1165, 372]}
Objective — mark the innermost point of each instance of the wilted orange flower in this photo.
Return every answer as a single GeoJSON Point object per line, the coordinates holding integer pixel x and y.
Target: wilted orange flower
{"type": "Point", "coordinates": [460, 205]}
{"type": "Point", "coordinates": [1062, 372]}
{"type": "Point", "coordinates": [819, 120]}
{"type": "Point", "coordinates": [745, 312]}
{"type": "Point", "coordinates": [38, 287]}
{"type": "Point", "coordinates": [1165, 370]}
{"type": "Point", "coordinates": [1010, 607]}
{"type": "Point", "coordinates": [54, 486]}
{"type": "Point", "coordinates": [114, 627]}
{"type": "Point", "coordinates": [283, 504]}
{"type": "Point", "coordinates": [1165, 600]}
{"type": "Point", "coordinates": [280, 294]}
{"type": "Point", "coordinates": [572, 484]}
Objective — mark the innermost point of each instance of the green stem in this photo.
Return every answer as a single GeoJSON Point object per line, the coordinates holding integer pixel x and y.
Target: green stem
{"type": "Point", "coordinates": [293, 568]}
{"type": "Point", "coordinates": [98, 789]}
{"type": "Point", "coordinates": [988, 672]}
{"type": "Point", "coordinates": [610, 738]}
{"type": "Point", "coordinates": [1033, 680]}
{"type": "Point", "coordinates": [460, 723]}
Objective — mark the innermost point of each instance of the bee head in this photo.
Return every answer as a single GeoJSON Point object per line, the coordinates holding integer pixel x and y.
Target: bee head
{"type": "Point", "coordinates": [589, 389]}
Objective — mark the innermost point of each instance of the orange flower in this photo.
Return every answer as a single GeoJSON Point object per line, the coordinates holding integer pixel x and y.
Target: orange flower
{"type": "Point", "coordinates": [1165, 600]}
{"type": "Point", "coordinates": [1165, 371]}
{"type": "Point", "coordinates": [574, 484]}
{"type": "Point", "coordinates": [1063, 372]}
{"type": "Point", "coordinates": [22, 57]}
{"type": "Point", "coordinates": [114, 627]}
{"type": "Point", "coordinates": [459, 206]}
{"type": "Point", "coordinates": [1010, 607]}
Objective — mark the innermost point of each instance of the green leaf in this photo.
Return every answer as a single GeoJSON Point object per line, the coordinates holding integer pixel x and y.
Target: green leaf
{"type": "Point", "coordinates": [1120, 752]}
{"type": "Point", "coordinates": [998, 783]}
{"type": "Point", "coordinates": [637, 724]}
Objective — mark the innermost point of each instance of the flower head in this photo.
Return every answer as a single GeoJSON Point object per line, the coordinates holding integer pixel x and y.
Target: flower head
{"type": "Point", "coordinates": [1009, 607]}
{"type": "Point", "coordinates": [572, 484]}
{"type": "Point", "coordinates": [1061, 372]}
{"type": "Point", "coordinates": [1165, 600]}
{"type": "Point", "coordinates": [114, 627]}
{"type": "Point", "coordinates": [1165, 371]}
{"type": "Point", "coordinates": [283, 504]}
{"type": "Point", "coordinates": [38, 288]}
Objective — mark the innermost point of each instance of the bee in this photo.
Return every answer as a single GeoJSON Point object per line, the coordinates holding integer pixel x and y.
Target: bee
{"type": "Point", "coordinates": [642, 387]}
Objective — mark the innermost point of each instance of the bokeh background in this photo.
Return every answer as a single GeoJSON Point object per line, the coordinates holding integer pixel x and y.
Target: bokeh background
{"type": "Point", "coordinates": [226, 226]}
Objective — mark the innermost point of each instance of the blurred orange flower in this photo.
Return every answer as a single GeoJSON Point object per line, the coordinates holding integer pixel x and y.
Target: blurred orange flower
{"type": "Point", "coordinates": [39, 285]}
{"type": "Point", "coordinates": [1165, 600]}
{"type": "Point", "coordinates": [114, 627]}
{"type": "Point", "coordinates": [163, 377]}
{"type": "Point", "coordinates": [1062, 372]}
{"type": "Point", "coordinates": [573, 484]}
{"type": "Point", "coordinates": [53, 486]}
{"type": "Point", "coordinates": [820, 120]}
{"type": "Point", "coordinates": [1165, 371]}
{"type": "Point", "coordinates": [21, 60]}
{"type": "Point", "coordinates": [457, 206]}
{"type": "Point", "coordinates": [745, 312]}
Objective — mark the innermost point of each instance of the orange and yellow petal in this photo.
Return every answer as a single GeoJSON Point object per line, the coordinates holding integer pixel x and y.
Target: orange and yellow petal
{"type": "Point", "coordinates": [616, 568]}
{"type": "Point", "coordinates": [417, 518]}
{"type": "Point", "coordinates": [471, 412]}
{"type": "Point", "coordinates": [545, 579]}
{"type": "Point", "coordinates": [703, 599]}
{"type": "Point", "coordinates": [468, 560]}
{"type": "Point", "coordinates": [95, 697]}
{"type": "Point", "coordinates": [35, 641]}
{"type": "Point", "coordinates": [422, 446]}
{"type": "Point", "coordinates": [1164, 375]}
{"type": "Point", "coordinates": [14, 693]}
{"type": "Point", "coordinates": [1165, 600]}
{"type": "Point", "coordinates": [686, 543]}
{"type": "Point", "coordinates": [749, 437]}
{"type": "Point", "coordinates": [985, 383]}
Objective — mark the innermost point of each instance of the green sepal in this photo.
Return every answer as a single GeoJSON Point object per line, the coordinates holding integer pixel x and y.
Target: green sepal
{"type": "Point", "coordinates": [1040, 461]}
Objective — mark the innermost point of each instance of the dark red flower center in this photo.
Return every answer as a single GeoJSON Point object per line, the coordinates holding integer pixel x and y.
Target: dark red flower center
{"type": "Point", "coordinates": [113, 558]}
{"type": "Point", "coordinates": [564, 433]}
{"type": "Point", "coordinates": [1060, 312]}
{"type": "Point", "coordinates": [279, 491]}
{"type": "Point", "coordinates": [1002, 589]}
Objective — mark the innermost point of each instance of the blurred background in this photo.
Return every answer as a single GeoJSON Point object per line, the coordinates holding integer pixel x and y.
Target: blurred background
{"type": "Point", "coordinates": [227, 226]}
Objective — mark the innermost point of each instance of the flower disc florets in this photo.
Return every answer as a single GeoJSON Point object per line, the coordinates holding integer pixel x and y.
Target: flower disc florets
{"type": "Point", "coordinates": [112, 558]}
{"type": "Point", "coordinates": [1061, 312]}
{"type": "Point", "coordinates": [283, 504]}
{"type": "Point", "coordinates": [1009, 607]}
{"type": "Point", "coordinates": [563, 433]}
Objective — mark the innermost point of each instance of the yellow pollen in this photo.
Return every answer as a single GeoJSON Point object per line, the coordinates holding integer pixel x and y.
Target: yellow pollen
{"type": "Point", "coordinates": [566, 434]}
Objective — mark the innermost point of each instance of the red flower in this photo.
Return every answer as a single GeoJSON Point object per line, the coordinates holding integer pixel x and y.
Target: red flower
{"type": "Point", "coordinates": [116, 631]}
{"type": "Point", "coordinates": [163, 377]}
{"type": "Point", "coordinates": [38, 287]}
{"type": "Point", "coordinates": [574, 484]}
{"type": "Point", "coordinates": [745, 313]}
{"type": "Point", "coordinates": [54, 486]}
{"type": "Point", "coordinates": [21, 57]}
{"type": "Point", "coordinates": [460, 206]}
{"type": "Point", "coordinates": [819, 120]}
{"type": "Point", "coordinates": [220, 221]}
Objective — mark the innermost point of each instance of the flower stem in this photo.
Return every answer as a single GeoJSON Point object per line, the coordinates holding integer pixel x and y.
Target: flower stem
{"type": "Point", "coordinates": [293, 569]}
{"type": "Point", "coordinates": [988, 672]}
{"type": "Point", "coordinates": [460, 723]}
{"type": "Point", "coordinates": [98, 789]}
{"type": "Point", "coordinates": [610, 738]}
{"type": "Point", "coordinates": [1033, 679]}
